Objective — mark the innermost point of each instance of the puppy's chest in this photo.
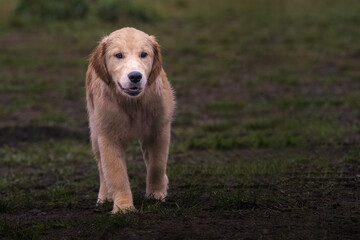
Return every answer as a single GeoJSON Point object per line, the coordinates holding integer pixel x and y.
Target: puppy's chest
{"type": "Point", "coordinates": [140, 123]}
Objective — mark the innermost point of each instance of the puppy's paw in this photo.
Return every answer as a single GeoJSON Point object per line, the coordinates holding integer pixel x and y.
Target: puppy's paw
{"type": "Point", "coordinates": [102, 201]}
{"type": "Point", "coordinates": [158, 192]}
{"type": "Point", "coordinates": [123, 209]}
{"type": "Point", "coordinates": [103, 197]}
{"type": "Point", "coordinates": [157, 195]}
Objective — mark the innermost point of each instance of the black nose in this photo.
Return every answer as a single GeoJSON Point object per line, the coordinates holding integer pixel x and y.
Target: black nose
{"type": "Point", "coordinates": [135, 77]}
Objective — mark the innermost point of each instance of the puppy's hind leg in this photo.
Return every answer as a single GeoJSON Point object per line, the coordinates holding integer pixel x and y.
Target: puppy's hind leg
{"type": "Point", "coordinates": [103, 194]}
{"type": "Point", "coordinates": [155, 151]}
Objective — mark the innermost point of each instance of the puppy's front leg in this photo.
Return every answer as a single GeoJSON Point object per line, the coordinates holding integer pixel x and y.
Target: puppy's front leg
{"type": "Point", "coordinates": [115, 174]}
{"type": "Point", "coordinates": [155, 151]}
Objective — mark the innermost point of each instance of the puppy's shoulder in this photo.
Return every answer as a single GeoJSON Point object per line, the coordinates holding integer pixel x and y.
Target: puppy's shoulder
{"type": "Point", "coordinates": [168, 94]}
{"type": "Point", "coordinates": [93, 86]}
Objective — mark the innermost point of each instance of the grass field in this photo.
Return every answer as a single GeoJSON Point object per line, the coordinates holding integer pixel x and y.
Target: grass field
{"type": "Point", "coordinates": [265, 142]}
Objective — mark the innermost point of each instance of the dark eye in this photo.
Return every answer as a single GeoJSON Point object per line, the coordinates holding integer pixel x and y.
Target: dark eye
{"type": "Point", "coordinates": [143, 55]}
{"type": "Point", "coordinates": [119, 55]}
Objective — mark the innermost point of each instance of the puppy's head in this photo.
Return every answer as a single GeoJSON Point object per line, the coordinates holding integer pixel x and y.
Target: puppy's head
{"type": "Point", "coordinates": [129, 59]}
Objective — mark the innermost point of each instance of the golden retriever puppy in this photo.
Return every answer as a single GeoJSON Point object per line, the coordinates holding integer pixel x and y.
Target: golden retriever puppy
{"type": "Point", "coordinates": [129, 97]}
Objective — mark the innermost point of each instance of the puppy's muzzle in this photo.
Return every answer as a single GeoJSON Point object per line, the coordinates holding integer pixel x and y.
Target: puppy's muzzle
{"type": "Point", "coordinates": [134, 87]}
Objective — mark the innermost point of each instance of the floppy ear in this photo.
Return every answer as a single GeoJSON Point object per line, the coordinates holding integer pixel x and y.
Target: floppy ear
{"type": "Point", "coordinates": [97, 61]}
{"type": "Point", "coordinates": [157, 61]}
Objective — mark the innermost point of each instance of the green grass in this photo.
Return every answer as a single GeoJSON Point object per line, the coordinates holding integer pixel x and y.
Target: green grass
{"type": "Point", "coordinates": [225, 106]}
{"type": "Point", "coordinates": [265, 141]}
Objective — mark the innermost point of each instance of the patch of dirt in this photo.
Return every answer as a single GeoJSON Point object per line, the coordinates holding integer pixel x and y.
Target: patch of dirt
{"type": "Point", "coordinates": [308, 214]}
{"type": "Point", "coordinates": [12, 136]}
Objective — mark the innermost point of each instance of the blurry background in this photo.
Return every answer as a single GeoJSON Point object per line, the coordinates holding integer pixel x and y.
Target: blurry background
{"type": "Point", "coordinates": [265, 142]}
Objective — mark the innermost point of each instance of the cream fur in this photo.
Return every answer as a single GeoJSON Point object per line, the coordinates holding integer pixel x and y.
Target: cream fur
{"type": "Point", "coordinates": [115, 118]}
